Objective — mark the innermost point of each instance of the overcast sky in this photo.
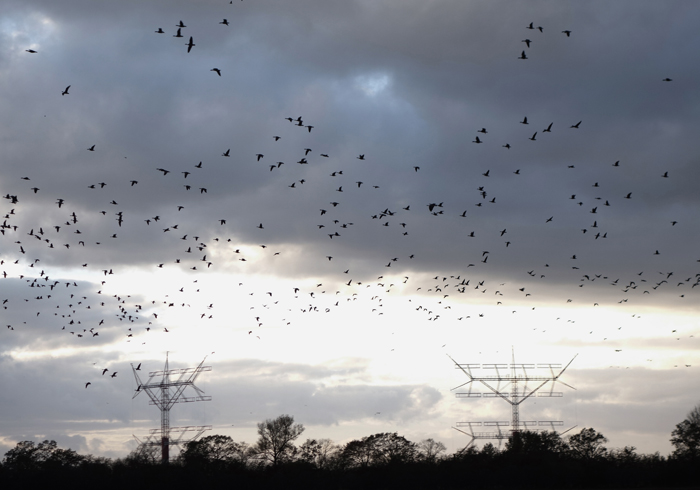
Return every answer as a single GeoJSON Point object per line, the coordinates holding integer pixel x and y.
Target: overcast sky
{"type": "Point", "coordinates": [444, 188]}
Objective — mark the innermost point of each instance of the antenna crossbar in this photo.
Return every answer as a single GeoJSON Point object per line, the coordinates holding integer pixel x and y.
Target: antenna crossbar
{"type": "Point", "coordinates": [164, 394]}
{"type": "Point", "coordinates": [511, 384]}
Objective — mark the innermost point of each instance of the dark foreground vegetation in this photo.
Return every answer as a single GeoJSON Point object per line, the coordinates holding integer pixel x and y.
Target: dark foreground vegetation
{"type": "Point", "coordinates": [538, 460]}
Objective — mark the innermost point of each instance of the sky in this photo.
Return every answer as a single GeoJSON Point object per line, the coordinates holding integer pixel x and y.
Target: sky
{"type": "Point", "coordinates": [363, 195]}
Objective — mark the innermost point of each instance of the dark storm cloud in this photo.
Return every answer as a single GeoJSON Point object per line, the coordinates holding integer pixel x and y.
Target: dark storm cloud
{"type": "Point", "coordinates": [54, 403]}
{"type": "Point", "coordinates": [183, 129]}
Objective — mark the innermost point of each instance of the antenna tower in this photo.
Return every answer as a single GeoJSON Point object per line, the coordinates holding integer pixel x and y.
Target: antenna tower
{"type": "Point", "coordinates": [164, 394]}
{"type": "Point", "coordinates": [515, 391]}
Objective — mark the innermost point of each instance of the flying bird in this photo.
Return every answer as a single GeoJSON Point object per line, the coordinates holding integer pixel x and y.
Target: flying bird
{"type": "Point", "coordinates": [65, 92]}
{"type": "Point", "coordinates": [190, 45]}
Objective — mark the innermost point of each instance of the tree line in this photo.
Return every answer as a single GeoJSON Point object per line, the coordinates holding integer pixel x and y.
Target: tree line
{"type": "Point", "coordinates": [383, 460]}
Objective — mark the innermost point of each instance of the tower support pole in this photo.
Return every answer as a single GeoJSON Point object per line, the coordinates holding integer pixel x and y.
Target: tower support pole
{"type": "Point", "coordinates": [164, 394]}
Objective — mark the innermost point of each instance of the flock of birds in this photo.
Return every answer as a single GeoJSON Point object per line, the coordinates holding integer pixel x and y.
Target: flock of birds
{"type": "Point", "coordinates": [60, 236]}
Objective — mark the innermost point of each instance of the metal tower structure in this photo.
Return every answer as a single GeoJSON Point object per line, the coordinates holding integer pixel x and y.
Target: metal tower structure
{"type": "Point", "coordinates": [510, 384]}
{"type": "Point", "coordinates": [164, 394]}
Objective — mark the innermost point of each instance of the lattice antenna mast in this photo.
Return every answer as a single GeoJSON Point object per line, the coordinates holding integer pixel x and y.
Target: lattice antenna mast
{"type": "Point", "coordinates": [164, 394]}
{"type": "Point", "coordinates": [517, 392]}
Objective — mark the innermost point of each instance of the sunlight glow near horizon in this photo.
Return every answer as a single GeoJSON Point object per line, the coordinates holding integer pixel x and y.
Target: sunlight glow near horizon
{"type": "Point", "coordinates": [399, 327]}
{"type": "Point", "coordinates": [408, 328]}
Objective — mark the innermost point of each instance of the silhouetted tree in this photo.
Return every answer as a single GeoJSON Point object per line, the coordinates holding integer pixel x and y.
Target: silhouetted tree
{"type": "Point", "coordinates": [430, 449]}
{"type": "Point", "coordinates": [321, 453]}
{"type": "Point", "coordinates": [27, 455]}
{"type": "Point", "coordinates": [489, 450]}
{"type": "Point", "coordinates": [357, 453]}
{"type": "Point", "coordinates": [588, 444]}
{"type": "Point", "coordinates": [383, 460]}
{"type": "Point", "coordinates": [536, 444]}
{"type": "Point", "coordinates": [215, 452]}
{"type": "Point", "coordinates": [276, 442]}
{"type": "Point", "coordinates": [625, 456]}
{"type": "Point", "coordinates": [377, 449]}
{"type": "Point", "coordinates": [144, 454]}
{"type": "Point", "coordinates": [686, 436]}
